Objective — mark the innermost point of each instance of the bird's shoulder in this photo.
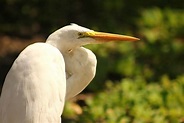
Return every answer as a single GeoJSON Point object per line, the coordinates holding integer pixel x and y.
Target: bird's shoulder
{"type": "Point", "coordinates": [39, 56]}
{"type": "Point", "coordinates": [39, 52]}
{"type": "Point", "coordinates": [39, 48]}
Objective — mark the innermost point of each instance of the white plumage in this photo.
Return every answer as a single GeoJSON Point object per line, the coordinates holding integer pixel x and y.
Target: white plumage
{"type": "Point", "coordinates": [34, 91]}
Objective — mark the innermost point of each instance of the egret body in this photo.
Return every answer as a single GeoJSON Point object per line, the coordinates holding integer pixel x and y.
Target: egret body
{"type": "Point", "coordinates": [45, 75]}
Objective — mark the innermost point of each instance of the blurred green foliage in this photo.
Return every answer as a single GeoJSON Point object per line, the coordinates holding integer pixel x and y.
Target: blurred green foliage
{"type": "Point", "coordinates": [134, 101]}
{"type": "Point", "coordinates": [136, 82]}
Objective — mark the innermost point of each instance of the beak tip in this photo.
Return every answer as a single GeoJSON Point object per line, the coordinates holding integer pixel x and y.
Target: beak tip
{"type": "Point", "coordinates": [133, 39]}
{"type": "Point", "coordinates": [137, 39]}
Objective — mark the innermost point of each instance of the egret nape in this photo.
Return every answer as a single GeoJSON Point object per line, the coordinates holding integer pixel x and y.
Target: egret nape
{"type": "Point", "coordinates": [45, 75]}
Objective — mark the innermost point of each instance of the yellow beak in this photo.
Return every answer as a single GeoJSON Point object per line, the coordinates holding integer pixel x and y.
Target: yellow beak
{"type": "Point", "coordinates": [106, 37]}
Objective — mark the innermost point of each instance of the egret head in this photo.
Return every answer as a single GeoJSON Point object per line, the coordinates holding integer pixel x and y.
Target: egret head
{"type": "Point", "coordinates": [72, 36]}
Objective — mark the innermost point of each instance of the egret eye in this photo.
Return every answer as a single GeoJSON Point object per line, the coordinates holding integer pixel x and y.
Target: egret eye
{"type": "Point", "coordinates": [80, 34]}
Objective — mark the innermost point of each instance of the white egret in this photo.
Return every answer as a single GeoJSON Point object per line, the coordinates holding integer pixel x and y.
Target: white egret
{"type": "Point", "coordinates": [46, 74]}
